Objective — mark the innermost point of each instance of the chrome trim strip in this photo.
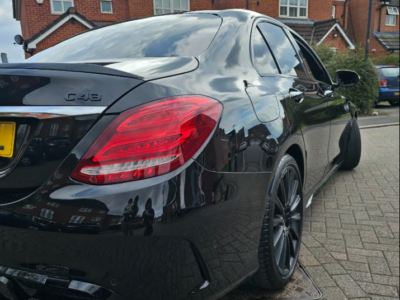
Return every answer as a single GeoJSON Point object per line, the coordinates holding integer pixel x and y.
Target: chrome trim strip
{"type": "Point", "coordinates": [89, 288]}
{"type": "Point", "coordinates": [18, 274]}
{"type": "Point", "coordinates": [14, 111]}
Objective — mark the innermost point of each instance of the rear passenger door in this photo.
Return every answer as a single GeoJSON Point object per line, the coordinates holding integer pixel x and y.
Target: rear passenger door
{"type": "Point", "coordinates": [304, 95]}
{"type": "Point", "coordinates": [338, 106]}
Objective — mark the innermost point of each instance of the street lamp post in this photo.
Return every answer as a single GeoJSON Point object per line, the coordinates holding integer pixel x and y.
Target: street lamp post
{"type": "Point", "coordinates": [368, 29]}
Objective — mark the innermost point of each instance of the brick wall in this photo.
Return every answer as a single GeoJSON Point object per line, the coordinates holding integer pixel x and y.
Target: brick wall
{"type": "Point", "coordinates": [40, 16]}
{"type": "Point", "coordinates": [337, 42]}
{"type": "Point", "coordinates": [224, 4]}
{"type": "Point", "coordinates": [358, 23]}
{"type": "Point", "coordinates": [319, 10]}
{"type": "Point", "coordinates": [340, 14]}
{"type": "Point", "coordinates": [384, 27]}
{"type": "Point", "coordinates": [62, 33]}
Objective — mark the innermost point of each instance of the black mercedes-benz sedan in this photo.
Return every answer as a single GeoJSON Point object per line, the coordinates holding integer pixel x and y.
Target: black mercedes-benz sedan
{"type": "Point", "coordinates": [179, 155]}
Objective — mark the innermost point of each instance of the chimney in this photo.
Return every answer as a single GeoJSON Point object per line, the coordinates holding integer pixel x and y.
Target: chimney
{"type": "Point", "coordinates": [4, 58]}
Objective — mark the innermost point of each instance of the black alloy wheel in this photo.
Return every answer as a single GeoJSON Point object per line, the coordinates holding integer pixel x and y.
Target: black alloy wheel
{"type": "Point", "coordinates": [287, 222]}
{"type": "Point", "coordinates": [282, 228]}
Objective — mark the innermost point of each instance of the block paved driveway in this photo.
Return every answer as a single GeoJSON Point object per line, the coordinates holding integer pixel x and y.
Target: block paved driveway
{"type": "Point", "coordinates": [351, 238]}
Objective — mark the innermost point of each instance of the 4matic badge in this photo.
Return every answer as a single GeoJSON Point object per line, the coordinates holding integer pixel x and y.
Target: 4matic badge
{"type": "Point", "coordinates": [83, 97]}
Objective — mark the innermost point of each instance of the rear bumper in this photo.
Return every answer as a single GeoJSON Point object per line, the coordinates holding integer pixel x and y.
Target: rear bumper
{"type": "Point", "coordinates": [388, 94]}
{"type": "Point", "coordinates": [204, 239]}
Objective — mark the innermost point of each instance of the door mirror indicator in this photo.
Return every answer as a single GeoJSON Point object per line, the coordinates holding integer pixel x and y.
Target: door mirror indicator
{"type": "Point", "coordinates": [346, 78]}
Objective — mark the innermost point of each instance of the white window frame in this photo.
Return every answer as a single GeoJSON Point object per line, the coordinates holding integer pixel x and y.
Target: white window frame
{"type": "Point", "coordinates": [84, 209]}
{"type": "Point", "coordinates": [53, 204]}
{"type": "Point", "coordinates": [393, 11]}
{"type": "Point", "coordinates": [106, 12]}
{"type": "Point", "coordinates": [393, 18]}
{"type": "Point", "coordinates": [47, 213]}
{"type": "Point", "coordinates": [171, 2]}
{"type": "Point", "coordinates": [76, 219]}
{"type": "Point", "coordinates": [298, 6]}
{"type": "Point", "coordinates": [62, 4]}
{"type": "Point", "coordinates": [96, 219]}
{"type": "Point", "coordinates": [334, 12]}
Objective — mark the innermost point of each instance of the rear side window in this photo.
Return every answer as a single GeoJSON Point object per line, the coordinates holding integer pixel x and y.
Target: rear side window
{"type": "Point", "coordinates": [390, 72]}
{"type": "Point", "coordinates": [263, 59]}
{"type": "Point", "coordinates": [161, 36]}
{"type": "Point", "coordinates": [283, 50]}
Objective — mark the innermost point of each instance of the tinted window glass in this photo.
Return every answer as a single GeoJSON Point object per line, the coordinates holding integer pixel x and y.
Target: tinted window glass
{"type": "Point", "coordinates": [161, 36]}
{"type": "Point", "coordinates": [312, 66]}
{"type": "Point", "coordinates": [283, 50]}
{"type": "Point", "coordinates": [263, 59]}
{"type": "Point", "coordinates": [390, 72]}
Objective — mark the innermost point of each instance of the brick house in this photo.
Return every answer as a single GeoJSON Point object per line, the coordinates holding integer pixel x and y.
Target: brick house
{"type": "Point", "coordinates": [317, 21]}
{"type": "Point", "coordinates": [45, 23]}
{"type": "Point", "coordinates": [384, 25]}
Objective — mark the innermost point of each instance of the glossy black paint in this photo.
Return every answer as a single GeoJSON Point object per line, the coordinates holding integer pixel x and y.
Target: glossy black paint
{"type": "Point", "coordinates": [208, 213]}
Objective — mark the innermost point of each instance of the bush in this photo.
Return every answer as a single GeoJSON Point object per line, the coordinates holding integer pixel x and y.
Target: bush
{"type": "Point", "coordinates": [365, 93]}
{"type": "Point", "coordinates": [391, 59]}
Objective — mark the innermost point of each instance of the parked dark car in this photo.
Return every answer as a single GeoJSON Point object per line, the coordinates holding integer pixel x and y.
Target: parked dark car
{"type": "Point", "coordinates": [389, 79]}
{"type": "Point", "coordinates": [206, 134]}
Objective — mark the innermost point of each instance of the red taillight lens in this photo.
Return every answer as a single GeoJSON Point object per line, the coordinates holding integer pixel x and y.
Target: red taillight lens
{"type": "Point", "coordinates": [383, 83]}
{"type": "Point", "coordinates": [149, 140]}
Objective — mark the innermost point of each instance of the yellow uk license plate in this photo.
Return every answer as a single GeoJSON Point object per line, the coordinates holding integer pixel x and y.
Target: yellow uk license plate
{"type": "Point", "coordinates": [397, 93]}
{"type": "Point", "coordinates": [7, 137]}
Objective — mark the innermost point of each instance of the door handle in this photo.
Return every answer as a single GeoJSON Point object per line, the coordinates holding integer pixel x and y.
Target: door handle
{"type": "Point", "coordinates": [296, 95]}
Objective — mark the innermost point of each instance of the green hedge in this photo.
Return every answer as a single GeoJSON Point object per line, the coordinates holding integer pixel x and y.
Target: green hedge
{"type": "Point", "coordinates": [365, 93]}
{"type": "Point", "coordinates": [392, 59]}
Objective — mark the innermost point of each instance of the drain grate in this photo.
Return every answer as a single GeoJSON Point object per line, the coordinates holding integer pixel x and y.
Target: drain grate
{"type": "Point", "coordinates": [301, 287]}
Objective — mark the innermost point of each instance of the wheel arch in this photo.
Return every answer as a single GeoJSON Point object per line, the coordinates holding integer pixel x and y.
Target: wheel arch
{"type": "Point", "coordinates": [296, 152]}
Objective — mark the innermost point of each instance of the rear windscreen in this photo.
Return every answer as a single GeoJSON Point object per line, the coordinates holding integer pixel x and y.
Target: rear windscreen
{"type": "Point", "coordinates": [161, 36]}
{"type": "Point", "coordinates": [390, 72]}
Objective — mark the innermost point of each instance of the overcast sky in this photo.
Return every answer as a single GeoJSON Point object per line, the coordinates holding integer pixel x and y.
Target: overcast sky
{"type": "Point", "coordinates": [8, 29]}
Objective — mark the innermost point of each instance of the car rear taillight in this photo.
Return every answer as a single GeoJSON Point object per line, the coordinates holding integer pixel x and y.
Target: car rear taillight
{"type": "Point", "coordinates": [384, 83]}
{"type": "Point", "coordinates": [149, 140]}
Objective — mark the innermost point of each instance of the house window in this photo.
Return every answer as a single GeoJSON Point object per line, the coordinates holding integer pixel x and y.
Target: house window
{"type": "Point", "coordinates": [53, 129]}
{"type": "Point", "coordinates": [293, 8]}
{"type": "Point", "coordinates": [53, 204]}
{"type": "Point", "coordinates": [333, 12]}
{"type": "Point", "coordinates": [98, 219]}
{"type": "Point", "coordinates": [391, 18]}
{"type": "Point", "coordinates": [106, 6]}
{"type": "Point", "coordinates": [60, 6]}
{"type": "Point", "coordinates": [76, 219]}
{"type": "Point", "coordinates": [47, 213]}
{"type": "Point", "coordinates": [83, 209]}
{"type": "Point", "coordinates": [170, 6]}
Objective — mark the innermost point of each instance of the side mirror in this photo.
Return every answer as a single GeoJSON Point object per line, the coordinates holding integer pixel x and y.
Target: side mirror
{"type": "Point", "coordinates": [347, 78]}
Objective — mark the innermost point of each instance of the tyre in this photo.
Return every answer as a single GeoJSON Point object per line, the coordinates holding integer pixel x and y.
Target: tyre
{"type": "Point", "coordinates": [352, 156]}
{"type": "Point", "coordinates": [282, 228]}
